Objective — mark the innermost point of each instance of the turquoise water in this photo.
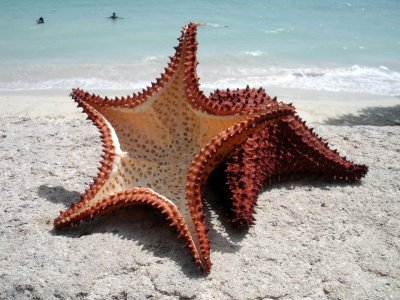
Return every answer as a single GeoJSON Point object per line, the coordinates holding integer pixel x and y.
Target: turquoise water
{"type": "Point", "coordinates": [313, 44]}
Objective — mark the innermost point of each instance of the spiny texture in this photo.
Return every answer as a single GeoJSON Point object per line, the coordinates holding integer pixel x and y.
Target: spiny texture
{"type": "Point", "coordinates": [286, 149]}
{"type": "Point", "coordinates": [162, 144]}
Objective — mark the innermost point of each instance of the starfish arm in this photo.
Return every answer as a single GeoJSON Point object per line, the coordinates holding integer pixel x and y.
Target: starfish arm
{"type": "Point", "coordinates": [318, 159]}
{"type": "Point", "coordinates": [248, 99]}
{"type": "Point", "coordinates": [286, 150]}
{"type": "Point", "coordinates": [210, 157]}
{"type": "Point", "coordinates": [241, 185]}
{"type": "Point", "coordinates": [220, 102]}
{"type": "Point", "coordinates": [109, 151]}
{"type": "Point", "coordinates": [245, 179]}
{"type": "Point", "coordinates": [128, 198]}
{"type": "Point", "coordinates": [136, 99]}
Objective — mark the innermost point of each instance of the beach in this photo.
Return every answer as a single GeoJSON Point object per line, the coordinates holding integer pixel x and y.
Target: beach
{"type": "Point", "coordinates": [336, 61]}
{"type": "Point", "coordinates": [312, 238]}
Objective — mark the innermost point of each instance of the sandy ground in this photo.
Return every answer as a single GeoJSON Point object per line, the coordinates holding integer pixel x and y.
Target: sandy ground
{"type": "Point", "coordinates": [312, 239]}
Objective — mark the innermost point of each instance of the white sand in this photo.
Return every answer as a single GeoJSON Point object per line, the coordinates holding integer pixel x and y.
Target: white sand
{"type": "Point", "coordinates": [312, 239]}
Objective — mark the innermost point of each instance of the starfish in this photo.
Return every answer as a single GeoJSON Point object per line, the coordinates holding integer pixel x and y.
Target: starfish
{"type": "Point", "coordinates": [285, 149]}
{"type": "Point", "coordinates": [160, 146]}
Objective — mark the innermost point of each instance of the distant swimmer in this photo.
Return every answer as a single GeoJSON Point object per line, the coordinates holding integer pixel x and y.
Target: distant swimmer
{"type": "Point", "coordinates": [40, 21]}
{"type": "Point", "coordinates": [114, 17]}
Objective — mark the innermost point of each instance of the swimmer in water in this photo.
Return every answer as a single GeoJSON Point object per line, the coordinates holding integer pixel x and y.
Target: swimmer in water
{"type": "Point", "coordinates": [114, 17]}
{"type": "Point", "coordinates": [40, 21]}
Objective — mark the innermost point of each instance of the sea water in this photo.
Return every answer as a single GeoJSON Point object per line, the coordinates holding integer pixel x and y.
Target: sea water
{"type": "Point", "coordinates": [351, 45]}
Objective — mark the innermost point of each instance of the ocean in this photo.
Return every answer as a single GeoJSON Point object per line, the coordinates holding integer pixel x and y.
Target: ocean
{"type": "Point", "coordinates": [351, 45]}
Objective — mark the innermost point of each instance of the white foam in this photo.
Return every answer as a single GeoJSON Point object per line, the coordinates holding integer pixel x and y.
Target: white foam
{"type": "Point", "coordinates": [254, 53]}
{"type": "Point", "coordinates": [372, 80]}
{"type": "Point", "coordinates": [153, 58]}
{"type": "Point", "coordinates": [356, 78]}
{"type": "Point", "coordinates": [276, 31]}
{"type": "Point", "coordinates": [215, 25]}
{"type": "Point", "coordinates": [85, 83]}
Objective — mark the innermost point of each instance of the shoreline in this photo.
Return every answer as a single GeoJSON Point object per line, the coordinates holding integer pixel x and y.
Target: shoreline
{"type": "Point", "coordinates": [319, 107]}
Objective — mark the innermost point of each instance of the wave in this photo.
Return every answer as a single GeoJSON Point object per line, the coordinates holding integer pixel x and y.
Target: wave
{"type": "Point", "coordinates": [254, 53]}
{"type": "Point", "coordinates": [61, 84]}
{"type": "Point", "coordinates": [372, 80]}
{"type": "Point", "coordinates": [153, 58]}
{"type": "Point", "coordinates": [277, 31]}
{"type": "Point", "coordinates": [215, 25]}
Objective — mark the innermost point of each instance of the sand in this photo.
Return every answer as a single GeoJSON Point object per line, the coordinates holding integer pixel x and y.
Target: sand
{"type": "Point", "coordinates": [312, 239]}
{"type": "Point", "coordinates": [335, 108]}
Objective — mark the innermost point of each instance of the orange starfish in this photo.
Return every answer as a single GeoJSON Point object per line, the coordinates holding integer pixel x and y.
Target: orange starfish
{"type": "Point", "coordinates": [161, 145]}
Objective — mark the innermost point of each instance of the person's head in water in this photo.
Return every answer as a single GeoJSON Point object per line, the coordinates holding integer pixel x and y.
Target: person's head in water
{"type": "Point", "coordinates": [40, 20]}
{"type": "Point", "coordinates": [114, 17]}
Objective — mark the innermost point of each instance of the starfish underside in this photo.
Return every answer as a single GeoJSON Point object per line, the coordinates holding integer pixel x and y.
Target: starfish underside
{"type": "Point", "coordinates": [161, 145]}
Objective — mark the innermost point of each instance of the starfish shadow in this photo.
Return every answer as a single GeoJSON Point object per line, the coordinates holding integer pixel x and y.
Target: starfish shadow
{"type": "Point", "coordinates": [58, 194]}
{"type": "Point", "coordinates": [375, 116]}
{"type": "Point", "coordinates": [225, 237]}
{"type": "Point", "coordinates": [222, 203]}
{"type": "Point", "coordinates": [311, 182]}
